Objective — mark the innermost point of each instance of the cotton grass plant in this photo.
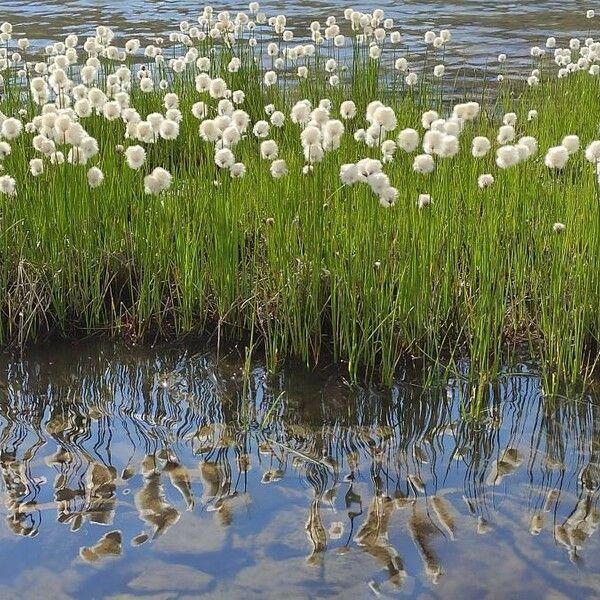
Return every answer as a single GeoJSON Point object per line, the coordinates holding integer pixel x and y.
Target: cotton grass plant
{"type": "Point", "coordinates": [329, 197]}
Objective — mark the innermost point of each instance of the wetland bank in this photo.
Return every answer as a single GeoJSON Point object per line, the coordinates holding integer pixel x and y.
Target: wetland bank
{"type": "Point", "coordinates": [129, 473]}
{"type": "Point", "coordinates": [345, 193]}
{"type": "Point", "coordinates": [355, 192]}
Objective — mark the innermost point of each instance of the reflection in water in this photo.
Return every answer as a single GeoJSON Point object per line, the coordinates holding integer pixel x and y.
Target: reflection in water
{"type": "Point", "coordinates": [108, 545]}
{"type": "Point", "coordinates": [423, 532]}
{"type": "Point", "coordinates": [155, 462]}
{"type": "Point", "coordinates": [150, 501]}
{"type": "Point", "coordinates": [373, 537]}
{"type": "Point", "coordinates": [509, 462]}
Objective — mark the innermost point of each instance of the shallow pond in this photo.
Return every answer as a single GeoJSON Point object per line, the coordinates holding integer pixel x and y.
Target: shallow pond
{"type": "Point", "coordinates": [131, 473]}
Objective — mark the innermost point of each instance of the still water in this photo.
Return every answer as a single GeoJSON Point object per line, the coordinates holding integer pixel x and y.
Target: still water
{"type": "Point", "coordinates": [162, 474]}
{"type": "Point", "coordinates": [480, 28]}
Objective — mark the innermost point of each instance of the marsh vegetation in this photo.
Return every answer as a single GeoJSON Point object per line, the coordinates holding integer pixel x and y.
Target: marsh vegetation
{"type": "Point", "coordinates": [345, 196]}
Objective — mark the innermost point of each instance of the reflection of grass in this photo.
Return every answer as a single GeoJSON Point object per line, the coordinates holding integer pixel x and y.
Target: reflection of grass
{"type": "Point", "coordinates": [357, 452]}
{"type": "Point", "coordinates": [269, 414]}
{"type": "Point", "coordinates": [307, 264]}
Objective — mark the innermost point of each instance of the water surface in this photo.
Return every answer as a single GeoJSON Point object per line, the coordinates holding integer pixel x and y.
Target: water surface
{"type": "Point", "coordinates": [481, 28]}
{"type": "Point", "coordinates": [130, 473]}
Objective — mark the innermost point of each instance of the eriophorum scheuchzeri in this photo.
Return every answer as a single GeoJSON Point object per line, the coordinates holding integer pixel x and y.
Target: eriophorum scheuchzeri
{"type": "Point", "coordinates": [343, 193]}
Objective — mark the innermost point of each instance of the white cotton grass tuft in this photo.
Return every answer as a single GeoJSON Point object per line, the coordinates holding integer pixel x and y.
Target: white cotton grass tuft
{"type": "Point", "coordinates": [438, 126]}
{"type": "Point", "coordinates": [433, 141]}
{"type": "Point", "coordinates": [95, 177]}
{"type": "Point", "coordinates": [401, 64]}
{"type": "Point", "coordinates": [485, 180]}
{"type": "Point", "coordinates": [374, 52]}
{"type": "Point", "coordinates": [158, 181]}
{"type": "Point", "coordinates": [349, 174]}
{"type": "Point", "coordinates": [423, 164]}
{"type": "Point", "coordinates": [224, 158]}
{"type": "Point", "coordinates": [467, 111]}
{"type": "Point", "coordinates": [218, 88]}
{"type": "Point", "coordinates": [480, 146]}
{"type": "Point", "coordinates": [592, 152]}
{"type": "Point", "coordinates": [522, 151]}
{"type": "Point", "coordinates": [300, 112]}
{"type": "Point", "coordinates": [368, 166]}
{"type": "Point", "coordinates": [408, 140]}
{"type": "Point", "coordinates": [209, 130]}
{"type": "Point", "coordinates": [530, 143]}
{"type": "Point", "coordinates": [453, 126]}
{"type": "Point", "coordinates": [11, 128]}
{"type": "Point", "coordinates": [111, 110]}
{"type": "Point", "coordinates": [333, 131]}
{"type": "Point", "coordinates": [424, 201]}
{"type": "Point", "coordinates": [164, 177]}
{"type": "Point", "coordinates": [237, 170]}
{"type": "Point", "coordinates": [313, 153]}
{"type": "Point", "coordinates": [311, 135]}
{"type": "Point", "coordinates": [347, 110]}
{"type": "Point", "coordinates": [146, 85]}
{"type": "Point", "coordinates": [5, 150]}
{"type": "Point", "coordinates": [174, 114]}
{"type": "Point", "coordinates": [199, 110]}
{"type": "Point", "coordinates": [76, 156]}
{"type": "Point", "coordinates": [135, 157]}
{"type": "Point", "coordinates": [230, 136]}
{"type": "Point", "coordinates": [151, 185]}
{"type": "Point", "coordinates": [571, 143]}
{"type": "Point", "coordinates": [169, 130]}
{"type": "Point", "coordinates": [388, 148]}
{"type": "Point", "coordinates": [558, 227]}
{"type": "Point", "coordinates": [450, 146]}
{"type": "Point", "coordinates": [8, 185]}
{"type": "Point", "coordinates": [278, 169]}
{"type": "Point", "coordinates": [269, 150]}
{"type": "Point", "coordinates": [277, 119]}
{"type": "Point", "coordinates": [556, 158]}
{"type": "Point", "coordinates": [411, 79]}
{"type": "Point", "coordinates": [428, 117]}
{"type": "Point", "coordinates": [58, 158]}
{"type": "Point", "coordinates": [378, 182]}
{"type": "Point", "coordinates": [36, 166]}
{"type": "Point", "coordinates": [385, 117]}
{"type": "Point", "coordinates": [261, 129]}
{"type": "Point", "coordinates": [171, 100]}
{"type": "Point", "coordinates": [360, 135]}
{"type": "Point", "coordinates": [388, 196]}
{"type": "Point", "coordinates": [270, 78]}
{"type": "Point", "coordinates": [240, 119]}
{"type": "Point", "coordinates": [238, 97]}
{"type": "Point", "coordinates": [506, 134]}
{"type": "Point", "coordinates": [507, 156]}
